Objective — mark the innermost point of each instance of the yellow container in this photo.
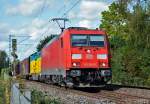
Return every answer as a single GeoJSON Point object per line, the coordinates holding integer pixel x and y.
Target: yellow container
{"type": "Point", "coordinates": [38, 65]}
{"type": "Point", "coordinates": [35, 63]}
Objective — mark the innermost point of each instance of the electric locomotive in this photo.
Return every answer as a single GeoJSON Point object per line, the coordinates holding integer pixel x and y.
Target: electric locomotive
{"type": "Point", "coordinates": [79, 57]}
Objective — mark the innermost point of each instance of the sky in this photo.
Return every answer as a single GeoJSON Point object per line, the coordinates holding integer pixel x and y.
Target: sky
{"type": "Point", "coordinates": [32, 19]}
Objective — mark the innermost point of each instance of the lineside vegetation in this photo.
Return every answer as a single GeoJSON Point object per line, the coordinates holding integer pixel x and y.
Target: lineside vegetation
{"type": "Point", "coordinates": [128, 25]}
{"type": "Point", "coordinates": [5, 87]}
{"type": "Point", "coordinates": [39, 97]}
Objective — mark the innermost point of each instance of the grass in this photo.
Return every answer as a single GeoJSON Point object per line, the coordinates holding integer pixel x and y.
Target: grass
{"type": "Point", "coordinates": [4, 87]}
{"type": "Point", "coordinates": [2, 92]}
{"type": "Point", "coordinates": [38, 97]}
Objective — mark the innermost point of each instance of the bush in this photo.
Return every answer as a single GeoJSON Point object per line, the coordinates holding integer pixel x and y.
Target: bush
{"type": "Point", "coordinates": [37, 97]}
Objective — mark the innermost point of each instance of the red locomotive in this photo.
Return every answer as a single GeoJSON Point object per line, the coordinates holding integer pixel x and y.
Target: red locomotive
{"type": "Point", "coordinates": [79, 57]}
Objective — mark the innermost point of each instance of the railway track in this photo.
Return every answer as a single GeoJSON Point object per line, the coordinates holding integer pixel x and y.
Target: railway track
{"type": "Point", "coordinates": [119, 97]}
{"type": "Point", "coordinates": [111, 96]}
{"type": "Point", "coordinates": [124, 98]}
{"type": "Point", "coordinates": [127, 86]}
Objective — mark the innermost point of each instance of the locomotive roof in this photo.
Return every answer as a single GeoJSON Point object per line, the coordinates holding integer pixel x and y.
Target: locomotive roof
{"type": "Point", "coordinates": [84, 28]}
{"type": "Point", "coordinates": [78, 28]}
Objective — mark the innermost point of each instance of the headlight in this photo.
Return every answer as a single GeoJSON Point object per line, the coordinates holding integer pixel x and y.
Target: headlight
{"type": "Point", "coordinates": [105, 73]}
{"type": "Point", "coordinates": [101, 56]}
{"type": "Point", "coordinates": [103, 64]}
{"type": "Point", "coordinates": [76, 56]}
{"type": "Point", "coordinates": [75, 64]}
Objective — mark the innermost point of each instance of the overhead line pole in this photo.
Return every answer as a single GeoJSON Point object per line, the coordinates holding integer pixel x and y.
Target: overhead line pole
{"type": "Point", "coordinates": [61, 19]}
{"type": "Point", "coordinates": [9, 52]}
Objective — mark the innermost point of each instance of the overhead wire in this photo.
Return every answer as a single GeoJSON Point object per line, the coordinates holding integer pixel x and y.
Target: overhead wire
{"type": "Point", "coordinates": [62, 8]}
{"type": "Point", "coordinates": [37, 16]}
{"type": "Point", "coordinates": [23, 40]}
{"type": "Point", "coordinates": [71, 8]}
{"type": "Point", "coordinates": [59, 10]}
{"type": "Point", "coordinates": [63, 14]}
{"type": "Point", "coordinates": [41, 10]}
{"type": "Point", "coordinates": [32, 46]}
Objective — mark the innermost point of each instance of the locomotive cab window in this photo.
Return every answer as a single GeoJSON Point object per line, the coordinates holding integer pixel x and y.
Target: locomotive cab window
{"type": "Point", "coordinates": [96, 40]}
{"type": "Point", "coordinates": [87, 40]}
{"type": "Point", "coordinates": [79, 40]}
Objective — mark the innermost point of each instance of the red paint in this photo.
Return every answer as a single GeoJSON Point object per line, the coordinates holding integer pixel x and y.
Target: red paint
{"type": "Point", "coordinates": [54, 56]}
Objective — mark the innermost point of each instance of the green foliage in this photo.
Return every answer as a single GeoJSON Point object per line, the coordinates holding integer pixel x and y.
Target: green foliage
{"type": "Point", "coordinates": [44, 42]}
{"type": "Point", "coordinates": [139, 25]}
{"type": "Point", "coordinates": [117, 42]}
{"type": "Point", "coordinates": [114, 20]}
{"type": "Point", "coordinates": [2, 92]}
{"type": "Point", "coordinates": [38, 97]}
{"type": "Point", "coordinates": [3, 60]}
{"type": "Point", "coordinates": [130, 41]}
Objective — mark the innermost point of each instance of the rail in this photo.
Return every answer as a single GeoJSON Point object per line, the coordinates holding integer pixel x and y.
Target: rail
{"type": "Point", "coordinates": [117, 97]}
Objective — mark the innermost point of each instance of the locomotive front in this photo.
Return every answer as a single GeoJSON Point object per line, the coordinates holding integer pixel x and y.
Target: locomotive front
{"type": "Point", "coordinates": [90, 58]}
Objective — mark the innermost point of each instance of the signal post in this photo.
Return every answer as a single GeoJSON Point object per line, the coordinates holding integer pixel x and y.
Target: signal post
{"type": "Point", "coordinates": [13, 53]}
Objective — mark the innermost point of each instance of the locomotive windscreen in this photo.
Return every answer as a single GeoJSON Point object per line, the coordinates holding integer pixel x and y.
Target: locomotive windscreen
{"type": "Point", "coordinates": [79, 40]}
{"type": "Point", "coordinates": [87, 40]}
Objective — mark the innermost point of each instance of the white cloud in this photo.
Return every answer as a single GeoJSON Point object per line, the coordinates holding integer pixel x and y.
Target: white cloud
{"type": "Point", "coordinates": [85, 23]}
{"type": "Point", "coordinates": [4, 31]}
{"type": "Point", "coordinates": [37, 29]}
{"type": "Point", "coordinates": [89, 9]}
{"type": "Point", "coordinates": [89, 12]}
{"type": "Point", "coordinates": [39, 23]}
{"type": "Point", "coordinates": [92, 9]}
{"type": "Point", "coordinates": [27, 7]}
{"type": "Point", "coordinates": [3, 45]}
{"type": "Point", "coordinates": [27, 51]}
{"type": "Point", "coordinates": [40, 28]}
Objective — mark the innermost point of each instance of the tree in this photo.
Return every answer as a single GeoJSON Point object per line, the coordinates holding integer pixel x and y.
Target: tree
{"type": "Point", "coordinates": [129, 33]}
{"type": "Point", "coordinates": [114, 21]}
{"type": "Point", "coordinates": [136, 57]}
{"type": "Point", "coordinates": [3, 60]}
{"type": "Point", "coordinates": [44, 42]}
{"type": "Point", "coordinates": [139, 25]}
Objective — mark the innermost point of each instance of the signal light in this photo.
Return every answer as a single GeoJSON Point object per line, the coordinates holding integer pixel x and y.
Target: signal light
{"type": "Point", "coordinates": [14, 45]}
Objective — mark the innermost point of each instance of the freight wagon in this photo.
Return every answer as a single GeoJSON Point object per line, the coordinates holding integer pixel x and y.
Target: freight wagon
{"type": "Point", "coordinates": [25, 68]}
